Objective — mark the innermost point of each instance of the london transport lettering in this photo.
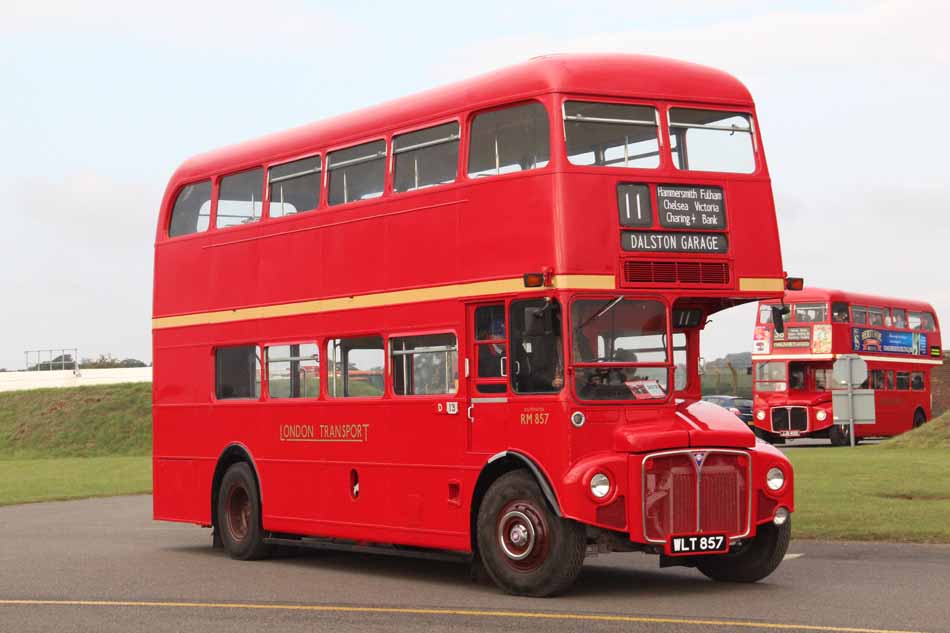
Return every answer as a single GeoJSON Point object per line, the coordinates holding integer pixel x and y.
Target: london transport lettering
{"type": "Point", "coordinates": [667, 242]}
{"type": "Point", "coordinates": [691, 207]}
{"type": "Point", "coordinates": [352, 433]}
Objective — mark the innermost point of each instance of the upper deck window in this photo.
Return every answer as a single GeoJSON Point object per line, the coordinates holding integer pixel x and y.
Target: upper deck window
{"type": "Point", "coordinates": [859, 314]}
{"type": "Point", "coordinates": [192, 210]}
{"type": "Point", "coordinates": [240, 198]}
{"type": "Point", "coordinates": [839, 312]}
{"type": "Point", "coordinates": [811, 312]}
{"type": "Point", "coordinates": [611, 134]}
{"type": "Point", "coordinates": [711, 140]}
{"type": "Point", "coordinates": [294, 187]}
{"type": "Point", "coordinates": [509, 140]}
{"type": "Point", "coordinates": [357, 173]}
{"type": "Point", "coordinates": [765, 313]}
{"type": "Point", "coordinates": [875, 316]}
{"type": "Point", "coordinates": [921, 321]}
{"type": "Point", "coordinates": [900, 318]}
{"type": "Point", "coordinates": [427, 157]}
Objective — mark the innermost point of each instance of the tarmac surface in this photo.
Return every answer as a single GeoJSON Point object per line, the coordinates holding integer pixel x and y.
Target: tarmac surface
{"type": "Point", "coordinates": [104, 565]}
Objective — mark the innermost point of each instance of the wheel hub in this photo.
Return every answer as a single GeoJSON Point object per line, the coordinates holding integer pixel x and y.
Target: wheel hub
{"type": "Point", "coordinates": [238, 513]}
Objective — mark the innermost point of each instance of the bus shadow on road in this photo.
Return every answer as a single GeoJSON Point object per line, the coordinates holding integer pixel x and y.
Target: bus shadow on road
{"type": "Point", "coordinates": [596, 578]}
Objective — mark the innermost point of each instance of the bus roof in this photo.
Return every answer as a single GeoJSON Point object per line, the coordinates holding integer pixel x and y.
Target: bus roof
{"type": "Point", "coordinates": [638, 76]}
{"type": "Point", "coordinates": [830, 295]}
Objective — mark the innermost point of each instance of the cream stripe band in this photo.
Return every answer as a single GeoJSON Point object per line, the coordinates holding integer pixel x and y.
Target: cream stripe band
{"type": "Point", "coordinates": [916, 360]}
{"type": "Point", "coordinates": [396, 297]}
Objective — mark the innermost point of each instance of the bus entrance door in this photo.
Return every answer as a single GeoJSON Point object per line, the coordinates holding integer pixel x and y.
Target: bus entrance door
{"type": "Point", "coordinates": [487, 377]}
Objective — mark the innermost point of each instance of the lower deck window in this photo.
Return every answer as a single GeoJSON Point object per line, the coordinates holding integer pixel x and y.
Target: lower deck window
{"type": "Point", "coordinates": [293, 371]}
{"type": "Point", "coordinates": [903, 381]}
{"type": "Point", "coordinates": [355, 367]}
{"type": "Point", "coordinates": [423, 365]}
{"type": "Point", "coordinates": [237, 373]}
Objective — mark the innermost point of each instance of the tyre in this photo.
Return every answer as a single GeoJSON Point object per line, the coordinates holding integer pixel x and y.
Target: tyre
{"type": "Point", "coordinates": [238, 515]}
{"type": "Point", "coordinates": [524, 546]}
{"type": "Point", "coordinates": [919, 418]}
{"type": "Point", "coordinates": [840, 435]}
{"type": "Point", "coordinates": [753, 560]}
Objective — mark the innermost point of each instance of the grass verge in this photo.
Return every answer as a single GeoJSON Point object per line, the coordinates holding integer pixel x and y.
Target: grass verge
{"type": "Point", "coordinates": [30, 480]}
{"type": "Point", "coordinates": [872, 493]}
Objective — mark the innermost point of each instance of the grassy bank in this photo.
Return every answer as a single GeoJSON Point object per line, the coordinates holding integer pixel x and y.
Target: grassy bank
{"type": "Point", "coordinates": [29, 480]}
{"type": "Point", "coordinates": [98, 421]}
{"type": "Point", "coordinates": [73, 443]}
{"type": "Point", "coordinates": [896, 491]}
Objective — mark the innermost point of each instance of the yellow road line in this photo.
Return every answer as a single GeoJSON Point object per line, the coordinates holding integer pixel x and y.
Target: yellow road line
{"type": "Point", "coordinates": [449, 612]}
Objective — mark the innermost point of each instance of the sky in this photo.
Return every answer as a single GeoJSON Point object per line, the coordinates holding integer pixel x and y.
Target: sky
{"type": "Point", "coordinates": [101, 100]}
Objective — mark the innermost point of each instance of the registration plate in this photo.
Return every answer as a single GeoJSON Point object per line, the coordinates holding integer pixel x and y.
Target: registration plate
{"type": "Point", "coordinates": [790, 433]}
{"type": "Point", "coordinates": [690, 544]}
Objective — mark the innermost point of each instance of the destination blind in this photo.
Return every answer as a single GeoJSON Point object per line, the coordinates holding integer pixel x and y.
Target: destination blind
{"type": "Point", "coordinates": [673, 242]}
{"type": "Point", "coordinates": [693, 207]}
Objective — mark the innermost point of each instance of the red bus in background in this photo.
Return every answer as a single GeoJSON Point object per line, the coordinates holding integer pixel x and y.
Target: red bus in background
{"type": "Point", "coordinates": [899, 339]}
{"type": "Point", "coordinates": [469, 320]}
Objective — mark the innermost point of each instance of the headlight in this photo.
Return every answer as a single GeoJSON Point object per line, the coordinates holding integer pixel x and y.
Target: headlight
{"type": "Point", "coordinates": [599, 485]}
{"type": "Point", "coordinates": [822, 415]}
{"type": "Point", "coordinates": [760, 415]}
{"type": "Point", "coordinates": [775, 479]}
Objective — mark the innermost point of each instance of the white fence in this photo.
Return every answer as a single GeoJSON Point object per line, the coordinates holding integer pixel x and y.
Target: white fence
{"type": "Point", "coordinates": [20, 380]}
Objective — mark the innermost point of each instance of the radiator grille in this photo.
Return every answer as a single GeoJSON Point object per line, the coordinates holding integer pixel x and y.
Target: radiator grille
{"type": "Point", "coordinates": [789, 419]}
{"type": "Point", "coordinates": [682, 496]}
{"type": "Point", "coordinates": [675, 272]}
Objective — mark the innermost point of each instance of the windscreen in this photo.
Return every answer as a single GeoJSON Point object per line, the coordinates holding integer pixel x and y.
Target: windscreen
{"type": "Point", "coordinates": [619, 349]}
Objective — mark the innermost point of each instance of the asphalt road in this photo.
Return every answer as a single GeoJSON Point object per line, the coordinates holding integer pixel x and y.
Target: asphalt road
{"type": "Point", "coordinates": [103, 565]}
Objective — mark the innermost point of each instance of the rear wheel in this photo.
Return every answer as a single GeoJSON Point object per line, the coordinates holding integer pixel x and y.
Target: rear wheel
{"type": "Point", "coordinates": [525, 547]}
{"type": "Point", "coordinates": [753, 560]}
{"type": "Point", "coordinates": [238, 514]}
{"type": "Point", "coordinates": [919, 418]}
{"type": "Point", "coordinates": [840, 435]}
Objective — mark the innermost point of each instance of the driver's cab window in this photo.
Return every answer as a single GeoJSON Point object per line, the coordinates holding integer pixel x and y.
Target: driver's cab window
{"type": "Point", "coordinates": [796, 377]}
{"type": "Point", "coordinates": [619, 349]}
{"type": "Point", "coordinates": [680, 371]}
{"type": "Point", "coordinates": [537, 354]}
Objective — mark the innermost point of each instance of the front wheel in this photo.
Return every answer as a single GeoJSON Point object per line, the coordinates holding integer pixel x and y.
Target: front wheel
{"type": "Point", "coordinates": [525, 547]}
{"type": "Point", "coordinates": [238, 514]}
{"type": "Point", "coordinates": [753, 560]}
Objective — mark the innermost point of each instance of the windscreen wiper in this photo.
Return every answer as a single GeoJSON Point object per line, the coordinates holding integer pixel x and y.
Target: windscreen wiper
{"type": "Point", "coordinates": [607, 308]}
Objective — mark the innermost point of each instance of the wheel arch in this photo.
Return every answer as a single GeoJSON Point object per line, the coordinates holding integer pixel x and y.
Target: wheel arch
{"type": "Point", "coordinates": [234, 453]}
{"type": "Point", "coordinates": [498, 465]}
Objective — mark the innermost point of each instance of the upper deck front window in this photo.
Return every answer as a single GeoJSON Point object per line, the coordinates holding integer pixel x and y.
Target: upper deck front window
{"type": "Point", "coordinates": [712, 140]}
{"type": "Point", "coordinates": [811, 312]}
{"type": "Point", "coordinates": [611, 134]}
{"type": "Point", "coordinates": [509, 140]}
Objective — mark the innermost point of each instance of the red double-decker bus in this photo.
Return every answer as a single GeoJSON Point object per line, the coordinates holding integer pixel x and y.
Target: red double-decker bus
{"type": "Point", "coordinates": [469, 320]}
{"type": "Point", "coordinates": [899, 339]}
